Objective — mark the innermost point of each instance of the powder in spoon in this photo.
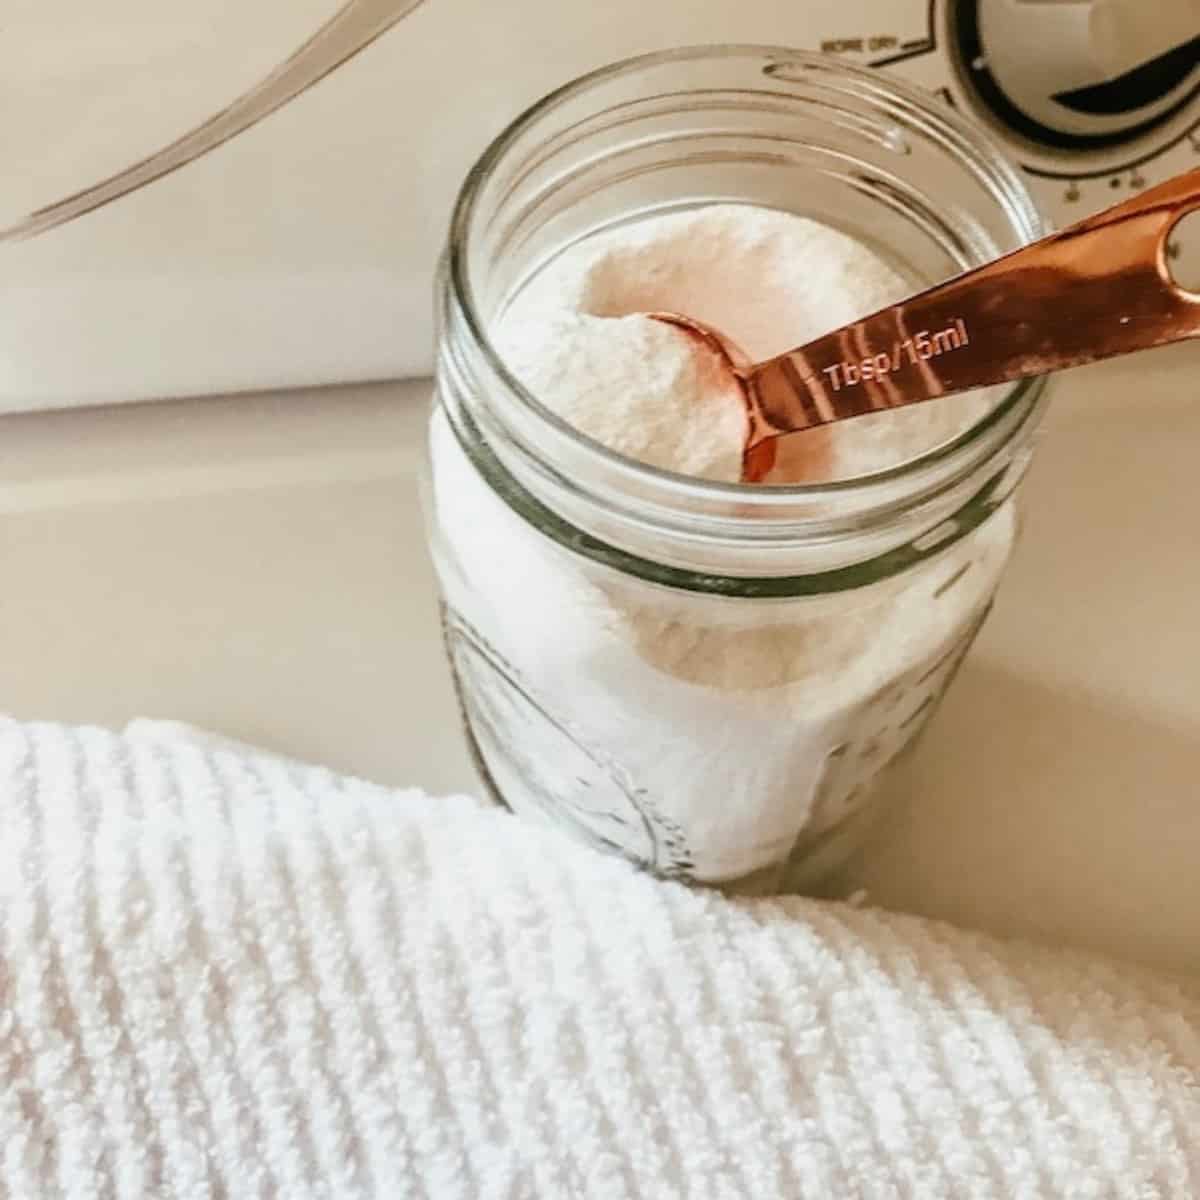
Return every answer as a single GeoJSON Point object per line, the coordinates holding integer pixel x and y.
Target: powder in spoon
{"type": "Point", "coordinates": [638, 386]}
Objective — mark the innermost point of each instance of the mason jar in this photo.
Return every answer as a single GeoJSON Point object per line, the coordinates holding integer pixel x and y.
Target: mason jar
{"type": "Point", "coordinates": [712, 679]}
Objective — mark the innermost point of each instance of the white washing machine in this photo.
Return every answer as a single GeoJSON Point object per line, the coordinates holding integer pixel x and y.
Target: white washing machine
{"type": "Point", "coordinates": [254, 563]}
{"type": "Point", "coordinates": [300, 252]}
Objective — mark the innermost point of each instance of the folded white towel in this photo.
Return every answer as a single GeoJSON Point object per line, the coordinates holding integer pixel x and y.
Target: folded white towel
{"type": "Point", "coordinates": [227, 975]}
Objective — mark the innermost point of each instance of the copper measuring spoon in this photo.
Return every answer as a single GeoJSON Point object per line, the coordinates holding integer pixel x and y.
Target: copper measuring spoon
{"type": "Point", "coordinates": [1099, 288]}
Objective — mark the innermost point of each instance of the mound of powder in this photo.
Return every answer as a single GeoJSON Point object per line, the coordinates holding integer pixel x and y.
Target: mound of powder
{"type": "Point", "coordinates": [578, 338]}
{"type": "Point", "coordinates": [638, 386]}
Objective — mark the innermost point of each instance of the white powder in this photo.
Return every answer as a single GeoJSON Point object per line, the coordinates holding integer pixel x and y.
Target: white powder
{"type": "Point", "coordinates": [767, 279]}
{"type": "Point", "coordinates": [639, 386]}
{"type": "Point", "coordinates": [700, 733]}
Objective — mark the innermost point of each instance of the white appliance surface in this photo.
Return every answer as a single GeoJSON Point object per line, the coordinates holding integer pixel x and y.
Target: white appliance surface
{"type": "Point", "coordinates": [256, 565]}
{"type": "Point", "coordinates": [301, 252]}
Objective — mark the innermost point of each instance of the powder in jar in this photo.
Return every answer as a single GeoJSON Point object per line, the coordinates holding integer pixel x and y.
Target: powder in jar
{"type": "Point", "coordinates": [701, 734]}
{"type": "Point", "coordinates": [579, 339]}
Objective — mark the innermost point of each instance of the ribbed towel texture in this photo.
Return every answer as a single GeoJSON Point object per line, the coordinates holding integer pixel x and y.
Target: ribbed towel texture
{"type": "Point", "coordinates": [228, 975]}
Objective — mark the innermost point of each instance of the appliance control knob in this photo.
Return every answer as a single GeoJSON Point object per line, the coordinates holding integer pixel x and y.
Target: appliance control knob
{"type": "Point", "coordinates": [1078, 74]}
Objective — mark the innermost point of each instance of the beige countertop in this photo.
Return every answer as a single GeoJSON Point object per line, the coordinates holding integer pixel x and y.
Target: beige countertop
{"type": "Point", "coordinates": [256, 565]}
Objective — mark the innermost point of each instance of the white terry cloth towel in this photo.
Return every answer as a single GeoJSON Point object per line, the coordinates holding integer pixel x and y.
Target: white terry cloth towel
{"type": "Point", "coordinates": [224, 974]}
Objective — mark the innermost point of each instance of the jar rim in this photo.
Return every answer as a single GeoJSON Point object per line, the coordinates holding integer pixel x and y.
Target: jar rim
{"type": "Point", "coordinates": [971, 140]}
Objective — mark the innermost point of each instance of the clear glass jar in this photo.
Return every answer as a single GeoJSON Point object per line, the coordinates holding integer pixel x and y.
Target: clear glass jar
{"type": "Point", "coordinates": [708, 678]}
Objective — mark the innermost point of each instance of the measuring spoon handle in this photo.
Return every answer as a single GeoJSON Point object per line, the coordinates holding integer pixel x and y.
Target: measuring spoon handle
{"type": "Point", "coordinates": [1099, 288]}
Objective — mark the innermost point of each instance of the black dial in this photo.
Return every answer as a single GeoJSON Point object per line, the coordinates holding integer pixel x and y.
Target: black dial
{"type": "Point", "coordinates": [1081, 76]}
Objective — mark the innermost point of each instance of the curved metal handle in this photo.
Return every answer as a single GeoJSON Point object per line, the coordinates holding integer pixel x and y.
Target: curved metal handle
{"type": "Point", "coordinates": [355, 26]}
{"type": "Point", "coordinates": [1100, 288]}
